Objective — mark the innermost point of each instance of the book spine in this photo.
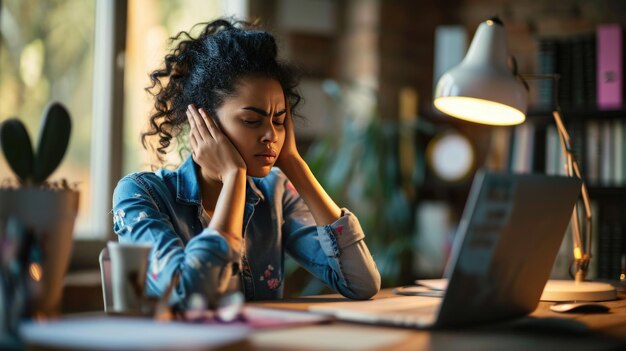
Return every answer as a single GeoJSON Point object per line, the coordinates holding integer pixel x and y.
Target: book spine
{"type": "Point", "coordinates": [538, 159]}
{"type": "Point", "coordinates": [552, 149]}
{"type": "Point", "coordinates": [546, 64]}
{"type": "Point", "coordinates": [618, 153]}
{"type": "Point", "coordinates": [609, 60]}
{"type": "Point", "coordinates": [590, 69]}
{"type": "Point", "coordinates": [623, 162]}
{"type": "Point", "coordinates": [577, 72]}
{"type": "Point", "coordinates": [606, 154]}
{"type": "Point", "coordinates": [564, 68]}
{"type": "Point", "coordinates": [529, 144]}
{"type": "Point", "coordinates": [593, 147]}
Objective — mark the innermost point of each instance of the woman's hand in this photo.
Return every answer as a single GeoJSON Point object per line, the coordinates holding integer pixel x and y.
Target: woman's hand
{"type": "Point", "coordinates": [211, 148]}
{"type": "Point", "coordinates": [289, 152]}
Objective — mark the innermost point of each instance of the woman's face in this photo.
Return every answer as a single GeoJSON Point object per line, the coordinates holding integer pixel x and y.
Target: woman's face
{"type": "Point", "coordinates": [253, 119]}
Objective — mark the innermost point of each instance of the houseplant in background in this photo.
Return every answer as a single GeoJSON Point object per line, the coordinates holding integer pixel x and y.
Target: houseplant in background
{"type": "Point", "coordinates": [36, 220]}
{"type": "Point", "coordinates": [359, 165]}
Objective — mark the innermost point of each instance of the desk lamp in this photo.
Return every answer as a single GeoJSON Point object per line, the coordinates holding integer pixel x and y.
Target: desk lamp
{"type": "Point", "coordinates": [483, 89]}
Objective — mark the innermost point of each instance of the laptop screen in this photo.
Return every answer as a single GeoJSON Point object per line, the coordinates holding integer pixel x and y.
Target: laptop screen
{"type": "Point", "coordinates": [506, 244]}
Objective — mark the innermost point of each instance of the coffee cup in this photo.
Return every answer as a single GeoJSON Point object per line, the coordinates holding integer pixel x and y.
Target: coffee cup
{"type": "Point", "coordinates": [129, 265]}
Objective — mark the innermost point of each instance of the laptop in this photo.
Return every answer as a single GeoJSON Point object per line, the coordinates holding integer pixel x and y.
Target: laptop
{"type": "Point", "coordinates": [508, 238]}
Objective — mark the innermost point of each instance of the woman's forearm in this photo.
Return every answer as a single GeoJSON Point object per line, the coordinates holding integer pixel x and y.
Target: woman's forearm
{"type": "Point", "coordinates": [323, 208]}
{"type": "Point", "coordinates": [228, 216]}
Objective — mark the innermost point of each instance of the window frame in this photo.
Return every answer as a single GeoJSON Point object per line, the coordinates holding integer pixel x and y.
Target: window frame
{"type": "Point", "coordinates": [108, 111]}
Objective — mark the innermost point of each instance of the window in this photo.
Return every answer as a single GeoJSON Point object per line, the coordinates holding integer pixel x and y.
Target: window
{"type": "Point", "coordinates": [46, 53]}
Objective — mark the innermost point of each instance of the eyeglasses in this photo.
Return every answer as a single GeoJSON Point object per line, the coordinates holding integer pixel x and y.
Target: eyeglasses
{"type": "Point", "coordinates": [229, 308]}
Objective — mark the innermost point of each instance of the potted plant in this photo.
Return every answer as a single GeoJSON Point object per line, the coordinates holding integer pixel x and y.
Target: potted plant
{"type": "Point", "coordinates": [36, 219]}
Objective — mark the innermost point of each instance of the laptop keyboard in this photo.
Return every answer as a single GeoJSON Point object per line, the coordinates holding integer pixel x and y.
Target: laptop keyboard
{"type": "Point", "coordinates": [407, 311]}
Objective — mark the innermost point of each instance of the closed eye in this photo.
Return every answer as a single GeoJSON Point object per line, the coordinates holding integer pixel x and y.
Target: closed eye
{"type": "Point", "coordinates": [278, 121]}
{"type": "Point", "coordinates": [251, 122]}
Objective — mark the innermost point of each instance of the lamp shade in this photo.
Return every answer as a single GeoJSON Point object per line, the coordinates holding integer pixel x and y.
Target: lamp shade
{"type": "Point", "coordinates": [482, 88]}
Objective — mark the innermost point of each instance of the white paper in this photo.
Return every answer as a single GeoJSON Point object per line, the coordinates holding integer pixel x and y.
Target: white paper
{"type": "Point", "coordinates": [117, 333]}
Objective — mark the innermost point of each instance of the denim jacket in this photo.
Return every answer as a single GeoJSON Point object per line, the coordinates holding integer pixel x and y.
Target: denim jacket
{"type": "Point", "coordinates": [164, 208]}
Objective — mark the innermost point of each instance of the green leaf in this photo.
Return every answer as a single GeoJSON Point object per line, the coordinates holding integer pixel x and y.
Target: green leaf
{"type": "Point", "coordinates": [17, 148]}
{"type": "Point", "coordinates": [53, 140]}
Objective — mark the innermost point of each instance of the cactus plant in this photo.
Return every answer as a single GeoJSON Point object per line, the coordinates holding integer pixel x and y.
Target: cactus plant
{"type": "Point", "coordinates": [18, 150]}
{"type": "Point", "coordinates": [37, 218]}
{"type": "Point", "coordinates": [30, 168]}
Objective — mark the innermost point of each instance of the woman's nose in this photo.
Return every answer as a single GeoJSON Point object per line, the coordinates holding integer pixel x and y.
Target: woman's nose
{"type": "Point", "coordinates": [269, 134]}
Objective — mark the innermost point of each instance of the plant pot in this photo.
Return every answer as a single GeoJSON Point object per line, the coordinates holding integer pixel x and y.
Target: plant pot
{"type": "Point", "coordinates": [46, 218]}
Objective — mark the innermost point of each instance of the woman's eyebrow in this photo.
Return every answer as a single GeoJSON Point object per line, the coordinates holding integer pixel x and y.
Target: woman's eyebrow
{"type": "Point", "coordinates": [257, 110]}
{"type": "Point", "coordinates": [261, 112]}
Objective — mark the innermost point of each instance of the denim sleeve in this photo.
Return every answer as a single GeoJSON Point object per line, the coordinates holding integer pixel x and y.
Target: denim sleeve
{"type": "Point", "coordinates": [334, 253]}
{"type": "Point", "coordinates": [201, 263]}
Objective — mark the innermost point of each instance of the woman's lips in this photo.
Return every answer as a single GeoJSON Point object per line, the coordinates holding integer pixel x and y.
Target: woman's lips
{"type": "Point", "coordinates": [268, 156]}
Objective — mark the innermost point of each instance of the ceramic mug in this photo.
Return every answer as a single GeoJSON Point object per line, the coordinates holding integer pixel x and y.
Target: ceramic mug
{"type": "Point", "coordinates": [129, 265]}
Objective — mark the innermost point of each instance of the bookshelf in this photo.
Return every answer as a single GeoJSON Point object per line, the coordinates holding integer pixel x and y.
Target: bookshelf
{"type": "Point", "coordinates": [589, 91]}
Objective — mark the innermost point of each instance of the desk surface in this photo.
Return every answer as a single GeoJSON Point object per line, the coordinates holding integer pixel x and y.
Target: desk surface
{"type": "Point", "coordinates": [542, 330]}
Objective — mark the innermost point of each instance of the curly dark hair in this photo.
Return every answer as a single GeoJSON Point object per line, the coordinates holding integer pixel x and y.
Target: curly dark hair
{"type": "Point", "coordinates": [205, 70]}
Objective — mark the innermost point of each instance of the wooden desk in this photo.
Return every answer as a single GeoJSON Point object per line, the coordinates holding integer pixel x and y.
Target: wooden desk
{"type": "Point", "coordinates": [542, 330]}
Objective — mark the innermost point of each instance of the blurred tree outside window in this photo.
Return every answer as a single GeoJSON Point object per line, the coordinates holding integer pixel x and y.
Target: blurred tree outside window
{"type": "Point", "coordinates": [46, 53]}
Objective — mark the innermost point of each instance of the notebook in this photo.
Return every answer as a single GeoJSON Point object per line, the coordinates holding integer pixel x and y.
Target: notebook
{"type": "Point", "coordinates": [508, 238]}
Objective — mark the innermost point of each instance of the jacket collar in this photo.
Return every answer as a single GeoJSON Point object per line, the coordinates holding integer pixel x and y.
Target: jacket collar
{"type": "Point", "coordinates": [188, 187]}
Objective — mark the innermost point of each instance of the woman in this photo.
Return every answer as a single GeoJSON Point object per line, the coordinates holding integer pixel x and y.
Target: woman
{"type": "Point", "coordinates": [227, 213]}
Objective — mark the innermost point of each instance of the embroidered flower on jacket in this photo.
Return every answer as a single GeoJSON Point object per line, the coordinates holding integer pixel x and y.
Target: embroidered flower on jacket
{"type": "Point", "coordinates": [272, 283]}
{"type": "Point", "coordinates": [339, 230]}
{"type": "Point", "coordinates": [118, 217]}
{"type": "Point", "coordinates": [141, 216]}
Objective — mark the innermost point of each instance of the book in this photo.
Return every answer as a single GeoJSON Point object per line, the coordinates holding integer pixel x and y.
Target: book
{"type": "Point", "coordinates": [609, 65]}
{"type": "Point", "coordinates": [589, 69]}
{"type": "Point", "coordinates": [592, 153]}
{"type": "Point", "coordinates": [577, 72]}
{"type": "Point", "coordinates": [546, 64]}
{"type": "Point", "coordinates": [555, 157]}
{"type": "Point", "coordinates": [564, 69]}
{"type": "Point", "coordinates": [552, 150]}
{"type": "Point", "coordinates": [522, 150]}
{"type": "Point", "coordinates": [618, 152]}
{"type": "Point", "coordinates": [606, 154]}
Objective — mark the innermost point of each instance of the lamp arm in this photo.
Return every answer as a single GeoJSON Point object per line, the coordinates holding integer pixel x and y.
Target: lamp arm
{"type": "Point", "coordinates": [582, 252]}
{"type": "Point", "coordinates": [562, 131]}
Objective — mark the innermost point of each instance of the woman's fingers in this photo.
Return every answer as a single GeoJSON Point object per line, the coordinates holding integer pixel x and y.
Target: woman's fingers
{"type": "Point", "coordinates": [210, 123]}
{"type": "Point", "coordinates": [193, 130]}
{"type": "Point", "coordinates": [199, 123]}
{"type": "Point", "coordinates": [193, 140]}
